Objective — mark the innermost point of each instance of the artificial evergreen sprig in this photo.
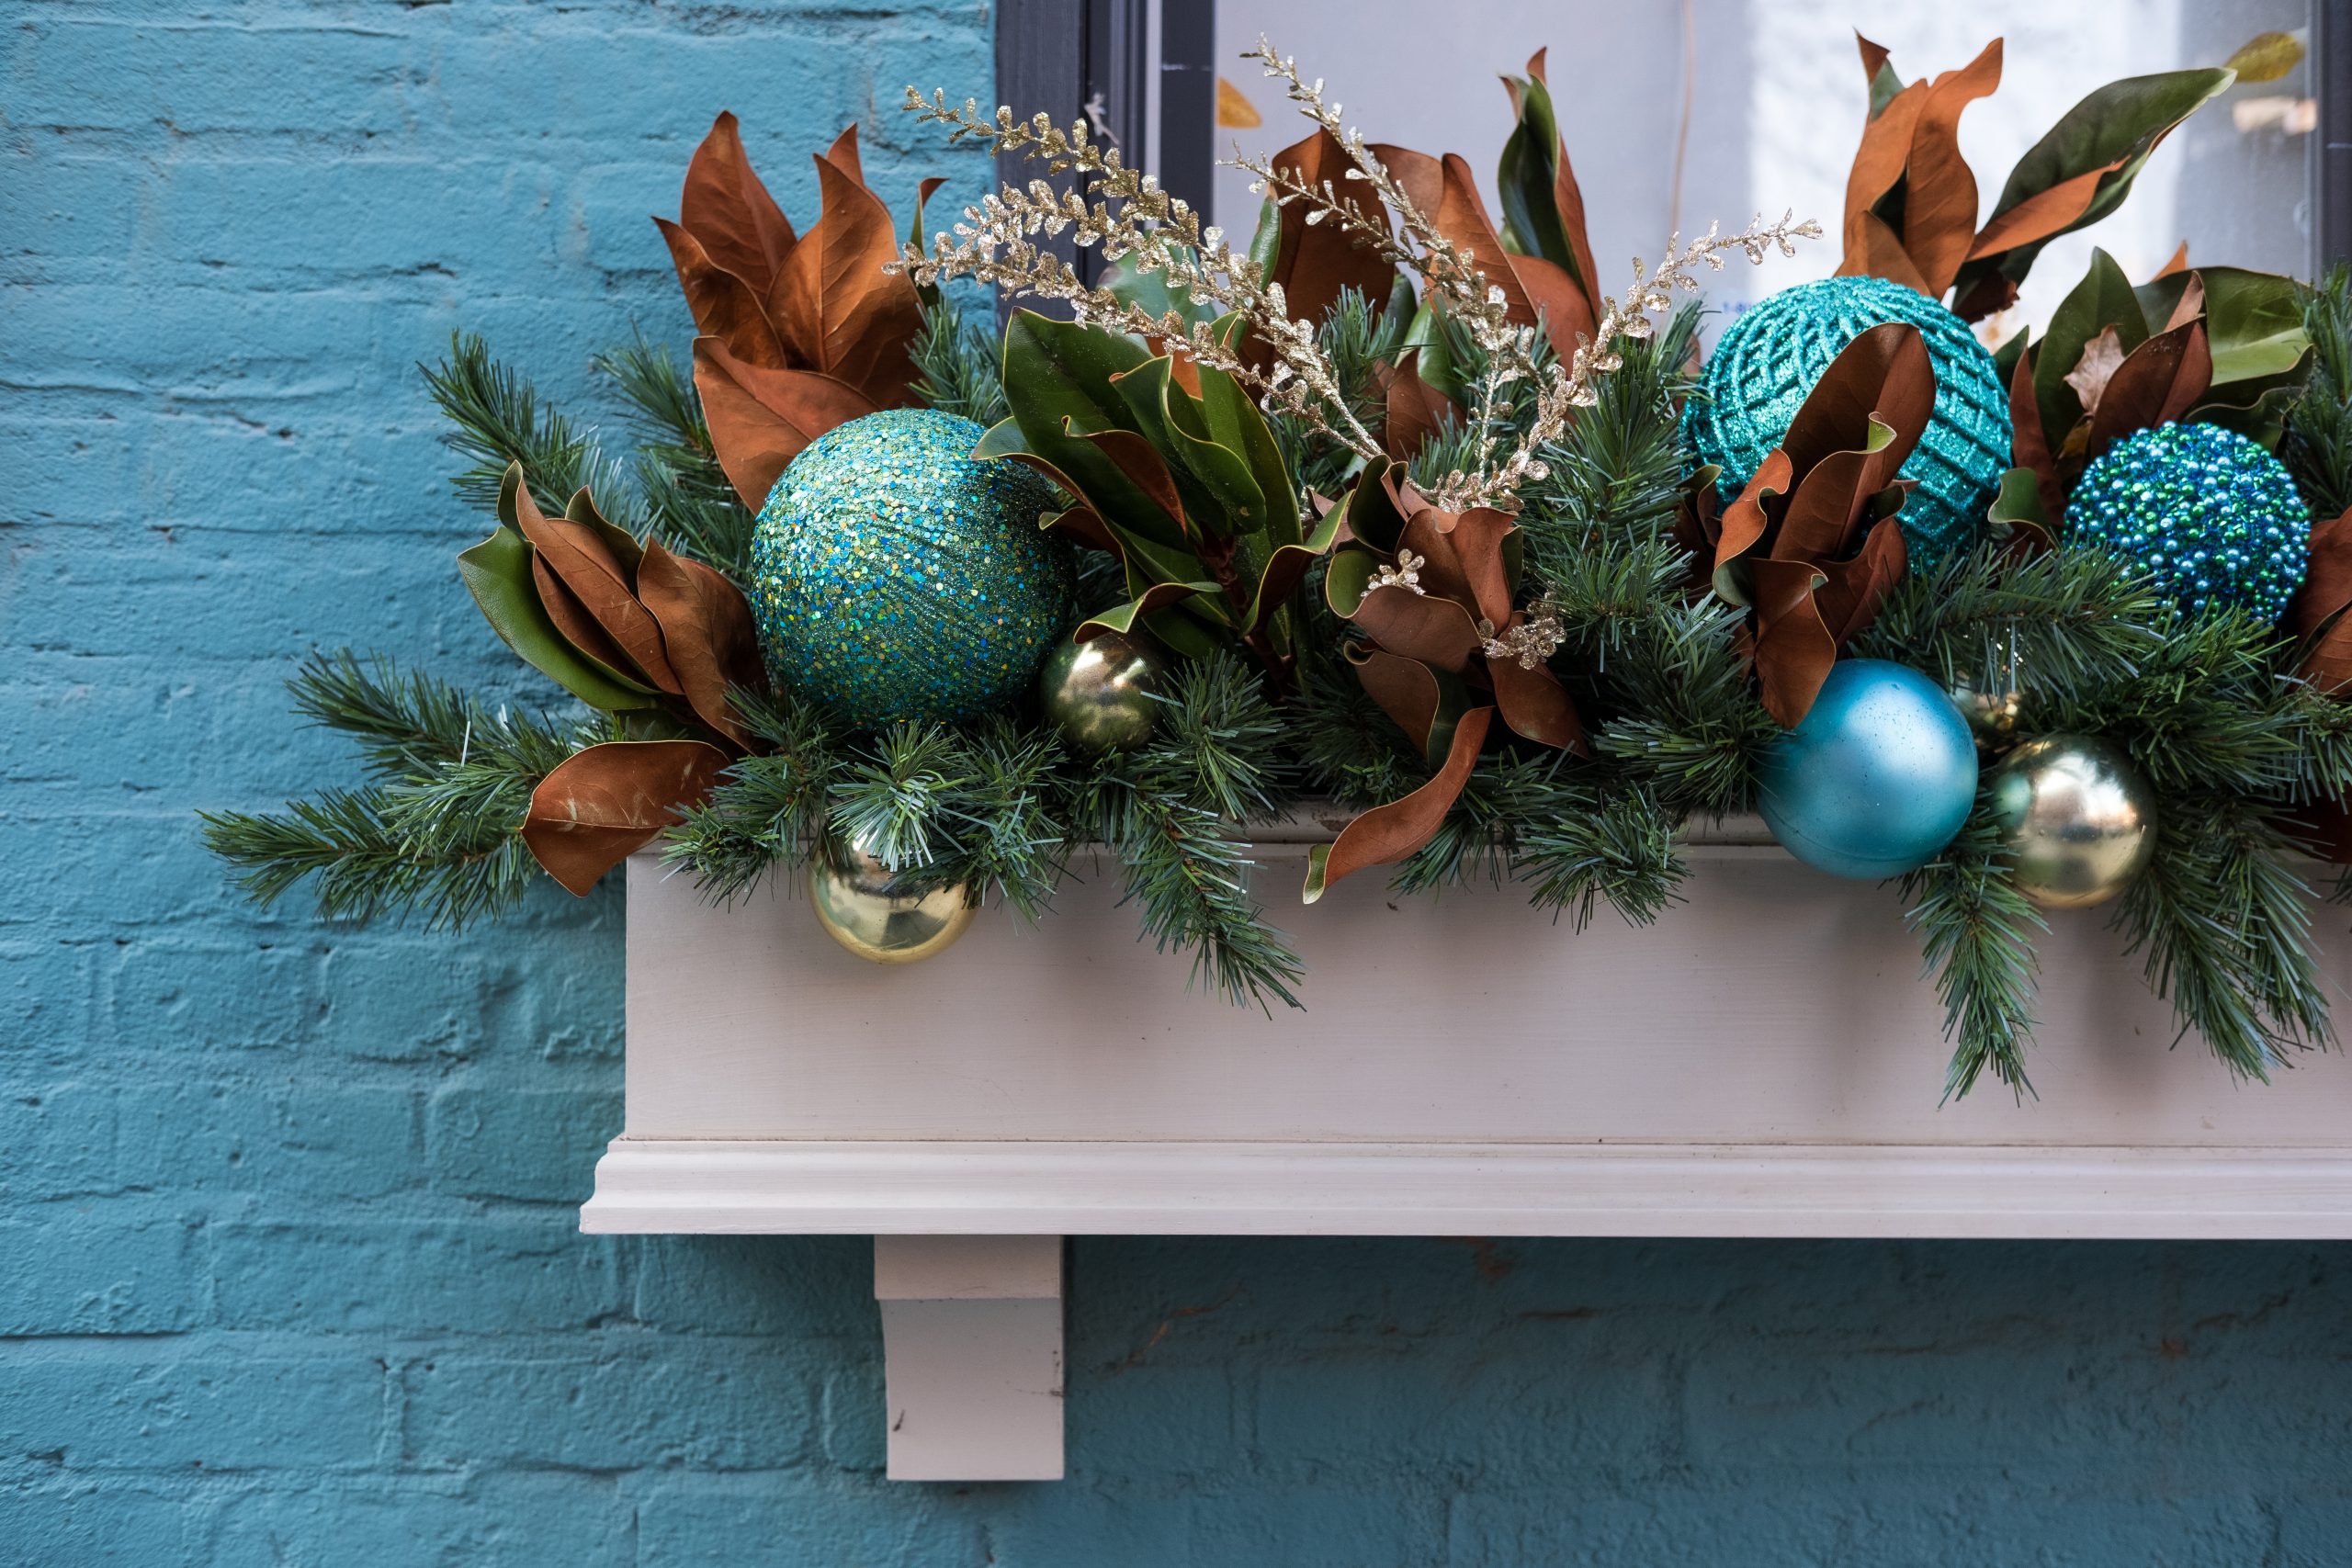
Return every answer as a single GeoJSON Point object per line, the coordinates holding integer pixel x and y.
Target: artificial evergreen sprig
{"type": "Point", "coordinates": [496, 418]}
{"type": "Point", "coordinates": [435, 833]}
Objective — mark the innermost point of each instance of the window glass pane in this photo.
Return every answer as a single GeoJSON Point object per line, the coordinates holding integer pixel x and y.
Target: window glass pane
{"type": "Point", "coordinates": [1765, 101]}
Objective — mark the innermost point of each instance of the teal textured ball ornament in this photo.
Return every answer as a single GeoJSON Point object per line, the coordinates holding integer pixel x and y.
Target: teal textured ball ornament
{"type": "Point", "coordinates": [1876, 778]}
{"type": "Point", "coordinates": [894, 577]}
{"type": "Point", "coordinates": [2214, 518]}
{"type": "Point", "coordinates": [1771, 356]}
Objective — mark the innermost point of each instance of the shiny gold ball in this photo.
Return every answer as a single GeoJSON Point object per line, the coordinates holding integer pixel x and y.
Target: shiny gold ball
{"type": "Point", "coordinates": [1101, 693]}
{"type": "Point", "coordinates": [2077, 817]}
{"type": "Point", "coordinates": [1992, 716]}
{"type": "Point", "coordinates": [884, 916]}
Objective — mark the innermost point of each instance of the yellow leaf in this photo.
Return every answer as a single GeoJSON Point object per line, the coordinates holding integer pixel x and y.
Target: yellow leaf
{"type": "Point", "coordinates": [1235, 110]}
{"type": "Point", "coordinates": [2266, 57]}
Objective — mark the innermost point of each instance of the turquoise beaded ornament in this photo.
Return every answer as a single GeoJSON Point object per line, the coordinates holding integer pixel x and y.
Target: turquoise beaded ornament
{"type": "Point", "coordinates": [1770, 359]}
{"type": "Point", "coordinates": [2215, 519]}
{"type": "Point", "coordinates": [894, 575]}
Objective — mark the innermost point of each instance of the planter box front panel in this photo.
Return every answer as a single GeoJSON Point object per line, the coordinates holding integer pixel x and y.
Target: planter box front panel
{"type": "Point", "coordinates": [1767, 1059]}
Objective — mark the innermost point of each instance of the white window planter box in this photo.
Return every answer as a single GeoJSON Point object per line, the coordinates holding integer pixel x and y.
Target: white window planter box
{"type": "Point", "coordinates": [1767, 1060]}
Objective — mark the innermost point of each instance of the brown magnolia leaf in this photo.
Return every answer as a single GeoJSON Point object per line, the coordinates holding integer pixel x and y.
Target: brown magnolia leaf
{"type": "Point", "coordinates": [1534, 703]}
{"type": "Point", "coordinates": [761, 418]}
{"type": "Point", "coordinates": [577, 552]}
{"type": "Point", "coordinates": [1878, 166]}
{"type": "Point", "coordinates": [1447, 194]}
{"type": "Point", "coordinates": [1566, 310]}
{"type": "Point", "coordinates": [2040, 216]}
{"type": "Point", "coordinates": [1856, 589]}
{"type": "Point", "coordinates": [1884, 379]}
{"type": "Point", "coordinates": [734, 220]}
{"type": "Point", "coordinates": [1463, 558]}
{"type": "Point", "coordinates": [2102, 357]}
{"type": "Point", "coordinates": [1388, 833]}
{"type": "Point", "coordinates": [2028, 446]}
{"type": "Point", "coordinates": [1314, 263]}
{"type": "Point", "coordinates": [602, 805]}
{"type": "Point", "coordinates": [575, 624]}
{"type": "Point", "coordinates": [724, 305]}
{"type": "Point", "coordinates": [1794, 647]}
{"type": "Point", "coordinates": [2156, 384]}
{"type": "Point", "coordinates": [1138, 460]}
{"type": "Point", "coordinates": [1939, 187]}
{"type": "Point", "coordinates": [1440, 632]}
{"type": "Point", "coordinates": [2191, 303]}
{"type": "Point", "coordinates": [708, 631]}
{"type": "Point", "coordinates": [2316, 617]}
{"type": "Point", "coordinates": [1416, 411]}
{"type": "Point", "coordinates": [1406, 690]}
{"type": "Point", "coordinates": [2179, 262]}
{"type": "Point", "coordinates": [843, 153]}
{"type": "Point", "coordinates": [838, 311]}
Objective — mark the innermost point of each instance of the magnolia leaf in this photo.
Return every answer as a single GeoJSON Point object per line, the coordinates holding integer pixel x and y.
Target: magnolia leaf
{"type": "Point", "coordinates": [2101, 357]}
{"type": "Point", "coordinates": [2158, 383]}
{"type": "Point", "coordinates": [724, 306]}
{"type": "Point", "coordinates": [497, 572]}
{"type": "Point", "coordinates": [729, 215]}
{"type": "Point", "coordinates": [2266, 57]}
{"type": "Point", "coordinates": [838, 311]}
{"type": "Point", "coordinates": [577, 550]}
{"type": "Point", "coordinates": [1416, 411]}
{"type": "Point", "coordinates": [602, 805]}
{"type": "Point", "coordinates": [1313, 263]}
{"type": "Point", "coordinates": [1220, 493]}
{"type": "Point", "coordinates": [761, 419]}
{"type": "Point", "coordinates": [708, 633]}
{"type": "Point", "coordinates": [2254, 321]}
{"type": "Point", "coordinates": [2077, 173]}
{"type": "Point", "coordinates": [1058, 380]}
{"type": "Point", "coordinates": [1543, 205]}
{"type": "Point", "coordinates": [2316, 617]}
{"type": "Point", "coordinates": [1126, 616]}
{"type": "Point", "coordinates": [2017, 511]}
{"type": "Point", "coordinates": [1389, 833]}
{"type": "Point", "coordinates": [2104, 298]}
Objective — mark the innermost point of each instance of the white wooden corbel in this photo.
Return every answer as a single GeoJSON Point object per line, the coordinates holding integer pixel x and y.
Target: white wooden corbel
{"type": "Point", "coordinates": [971, 1356]}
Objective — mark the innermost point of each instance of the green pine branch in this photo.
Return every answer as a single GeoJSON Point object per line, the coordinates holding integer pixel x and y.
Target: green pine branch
{"type": "Point", "coordinates": [956, 366]}
{"type": "Point", "coordinates": [497, 419]}
{"type": "Point", "coordinates": [435, 834]}
{"type": "Point", "coordinates": [2317, 445]}
{"type": "Point", "coordinates": [1978, 932]}
{"type": "Point", "coordinates": [689, 504]}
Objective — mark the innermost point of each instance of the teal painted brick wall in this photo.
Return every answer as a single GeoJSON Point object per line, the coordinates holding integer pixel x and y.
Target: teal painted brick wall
{"type": "Point", "coordinates": [289, 1271]}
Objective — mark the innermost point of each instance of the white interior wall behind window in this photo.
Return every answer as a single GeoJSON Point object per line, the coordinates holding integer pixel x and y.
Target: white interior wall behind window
{"type": "Point", "coordinates": [1774, 95]}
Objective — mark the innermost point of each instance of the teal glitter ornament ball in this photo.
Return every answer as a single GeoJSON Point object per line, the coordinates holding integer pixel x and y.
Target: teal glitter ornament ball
{"type": "Point", "coordinates": [894, 575]}
{"type": "Point", "coordinates": [1878, 775]}
{"type": "Point", "coordinates": [2215, 519]}
{"type": "Point", "coordinates": [1774, 353]}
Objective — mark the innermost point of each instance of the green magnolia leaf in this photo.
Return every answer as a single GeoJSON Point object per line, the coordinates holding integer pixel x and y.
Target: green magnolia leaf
{"type": "Point", "coordinates": [1058, 371]}
{"type": "Point", "coordinates": [1150, 608]}
{"type": "Point", "coordinates": [619, 540]}
{"type": "Point", "coordinates": [1288, 567]}
{"type": "Point", "coordinates": [1149, 290]}
{"type": "Point", "coordinates": [497, 572]}
{"type": "Point", "coordinates": [2105, 139]}
{"type": "Point", "coordinates": [2103, 298]}
{"type": "Point", "coordinates": [2019, 504]}
{"type": "Point", "coordinates": [1348, 580]}
{"type": "Point", "coordinates": [1531, 220]}
{"type": "Point", "coordinates": [1217, 494]}
{"type": "Point", "coordinates": [1435, 364]}
{"type": "Point", "coordinates": [2254, 321]}
{"type": "Point", "coordinates": [1166, 557]}
{"type": "Point", "coordinates": [1236, 422]}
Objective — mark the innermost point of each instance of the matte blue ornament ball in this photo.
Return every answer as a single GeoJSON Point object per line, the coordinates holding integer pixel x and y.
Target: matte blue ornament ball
{"type": "Point", "coordinates": [2215, 518]}
{"type": "Point", "coordinates": [1876, 778]}
{"type": "Point", "coordinates": [1774, 353]}
{"type": "Point", "coordinates": [894, 575]}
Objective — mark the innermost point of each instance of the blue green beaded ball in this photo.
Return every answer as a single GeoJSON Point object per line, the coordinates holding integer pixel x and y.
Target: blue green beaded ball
{"type": "Point", "coordinates": [894, 575]}
{"type": "Point", "coordinates": [2215, 519]}
{"type": "Point", "coordinates": [1771, 356]}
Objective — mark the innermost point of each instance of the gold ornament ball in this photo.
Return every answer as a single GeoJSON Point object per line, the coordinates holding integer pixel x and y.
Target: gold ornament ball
{"type": "Point", "coordinates": [876, 913]}
{"type": "Point", "coordinates": [1992, 716]}
{"type": "Point", "coordinates": [1102, 693]}
{"type": "Point", "coordinates": [2076, 815]}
